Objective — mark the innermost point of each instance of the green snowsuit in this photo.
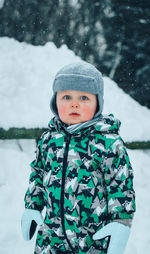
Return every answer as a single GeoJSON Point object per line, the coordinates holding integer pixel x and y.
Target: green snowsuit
{"type": "Point", "coordinates": [85, 181]}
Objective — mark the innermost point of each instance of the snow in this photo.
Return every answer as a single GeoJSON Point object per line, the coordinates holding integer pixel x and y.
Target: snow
{"type": "Point", "coordinates": [26, 76]}
{"type": "Point", "coordinates": [26, 81]}
{"type": "Point", "coordinates": [15, 170]}
{"type": "Point", "coordinates": [135, 118]}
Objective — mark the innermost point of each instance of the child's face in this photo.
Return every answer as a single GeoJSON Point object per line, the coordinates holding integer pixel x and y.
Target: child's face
{"type": "Point", "coordinates": [75, 106]}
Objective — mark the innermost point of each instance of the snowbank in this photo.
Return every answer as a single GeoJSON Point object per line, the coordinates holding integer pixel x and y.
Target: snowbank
{"type": "Point", "coordinates": [26, 77]}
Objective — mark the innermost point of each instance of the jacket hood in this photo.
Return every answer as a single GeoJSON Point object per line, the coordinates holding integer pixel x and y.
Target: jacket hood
{"type": "Point", "coordinates": [107, 124]}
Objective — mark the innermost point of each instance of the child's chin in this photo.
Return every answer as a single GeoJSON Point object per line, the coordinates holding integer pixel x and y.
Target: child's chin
{"type": "Point", "coordinates": [74, 122]}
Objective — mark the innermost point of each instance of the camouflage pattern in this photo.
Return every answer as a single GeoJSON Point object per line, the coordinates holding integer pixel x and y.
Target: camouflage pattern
{"type": "Point", "coordinates": [85, 180]}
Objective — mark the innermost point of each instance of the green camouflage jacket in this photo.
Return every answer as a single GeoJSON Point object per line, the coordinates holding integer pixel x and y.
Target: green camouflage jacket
{"type": "Point", "coordinates": [84, 180]}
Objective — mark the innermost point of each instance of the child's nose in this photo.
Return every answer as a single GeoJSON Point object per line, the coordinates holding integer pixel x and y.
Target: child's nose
{"type": "Point", "coordinates": [75, 104]}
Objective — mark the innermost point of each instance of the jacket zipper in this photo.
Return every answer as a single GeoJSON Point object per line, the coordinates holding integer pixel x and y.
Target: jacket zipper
{"type": "Point", "coordinates": [63, 190]}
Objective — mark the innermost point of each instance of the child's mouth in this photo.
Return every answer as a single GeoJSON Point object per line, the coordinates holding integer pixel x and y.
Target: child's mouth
{"type": "Point", "coordinates": [74, 114]}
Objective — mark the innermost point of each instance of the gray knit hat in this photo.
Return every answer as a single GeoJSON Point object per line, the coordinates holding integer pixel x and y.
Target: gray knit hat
{"type": "Point", "coordinates": [80, 76]}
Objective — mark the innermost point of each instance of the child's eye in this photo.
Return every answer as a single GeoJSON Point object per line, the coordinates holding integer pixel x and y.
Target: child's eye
{"type": "Point", "coordinates": [67, 97]}
{"type": "Point", "coordinates": [84, 98]}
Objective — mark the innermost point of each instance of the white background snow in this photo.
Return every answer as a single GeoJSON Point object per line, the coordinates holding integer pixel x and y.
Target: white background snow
{"type": "Point", "coordinates": [26, 76]}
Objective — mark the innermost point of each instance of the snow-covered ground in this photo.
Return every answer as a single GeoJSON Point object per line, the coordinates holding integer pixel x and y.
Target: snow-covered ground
{"type": "Point", "coordinates": [15, 157]}
{"type": "Point", "coordinates": [26, 76]}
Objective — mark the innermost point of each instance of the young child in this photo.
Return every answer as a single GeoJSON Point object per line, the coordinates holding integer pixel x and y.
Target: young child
{"type": "Point", "coordinates": [82, 174]}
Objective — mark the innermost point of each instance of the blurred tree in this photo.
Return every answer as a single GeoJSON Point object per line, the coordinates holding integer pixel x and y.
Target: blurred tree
{"type": "Point", "coordinates": [131, 36]}
{"type": "Point", "coordinates": [112, 34]}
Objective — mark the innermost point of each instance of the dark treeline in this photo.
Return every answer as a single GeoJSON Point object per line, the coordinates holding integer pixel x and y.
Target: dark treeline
{"type": "Point", "coordinates": [23, 133]}
{"type": "Point", "coordinates": [114, 35]}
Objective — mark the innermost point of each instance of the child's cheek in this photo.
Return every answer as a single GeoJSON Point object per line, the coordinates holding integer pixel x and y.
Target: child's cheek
{"type": "Point", "coordinates": [88, 111]}
{"type": "Point", "coordinates": [62, 110]}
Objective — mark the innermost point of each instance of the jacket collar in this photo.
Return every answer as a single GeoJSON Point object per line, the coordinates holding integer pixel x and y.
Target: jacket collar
{"type": "Point", "coordinates": [104, 124]}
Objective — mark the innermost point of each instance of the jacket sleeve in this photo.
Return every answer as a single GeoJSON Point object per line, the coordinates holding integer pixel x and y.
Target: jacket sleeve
{"type": "Point", "coordinates": [118, 178]}
{"type": "Point", "coordinates": [34, 198]}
